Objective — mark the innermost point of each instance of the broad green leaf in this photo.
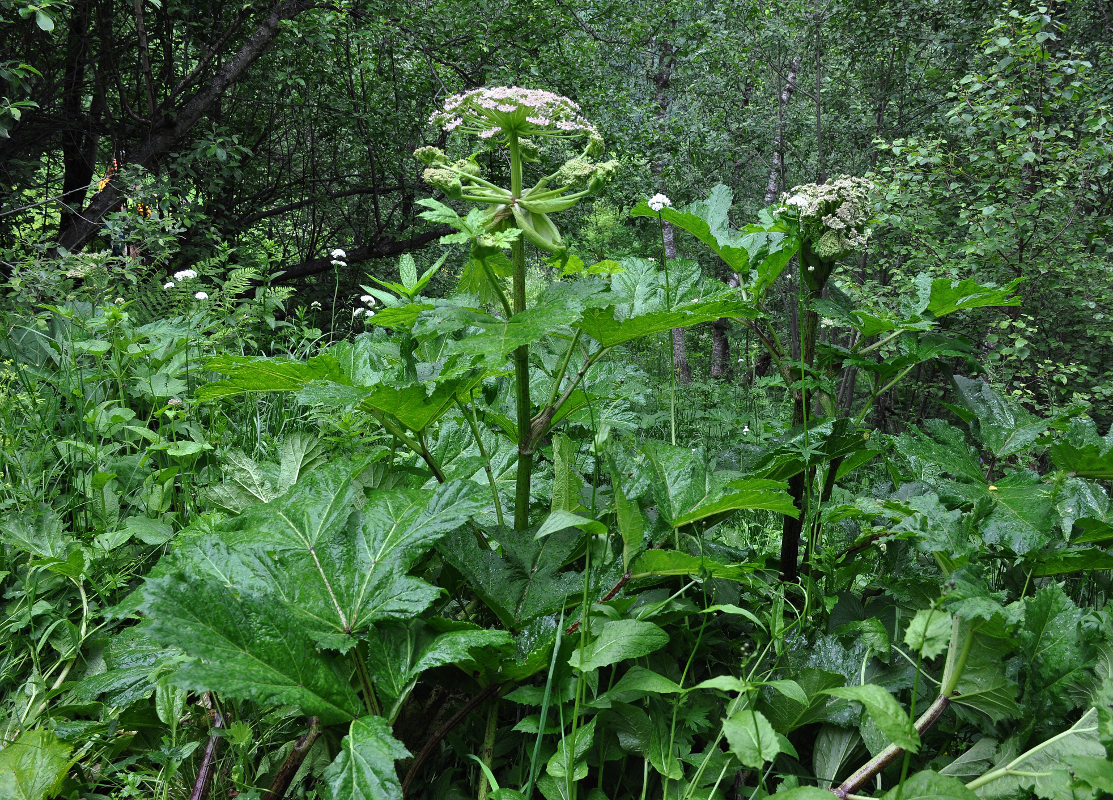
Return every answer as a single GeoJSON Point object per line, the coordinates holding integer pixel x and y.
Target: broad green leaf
{"type": "Point", "coordinates": [617, 641]}
{"type": "Point", "coordinates": [248, 646]}
{"type": "Point", "coordinates": [708, 221]}
{"type": "Point", "coordinates": [1053, 644]}
{"type": "Point", "coordinates": [364, 767]}
{"type": "Point", "coordinates": [562, 520]}
{"type": "Point", "coordinates": [604, 326]}
{"type": "Point", "coordinates": [635, 683]}
{"type": "Point", "coordinates": [673, 562]}
{"type": "Point", "coordinates": [983, 685]}
{"type": "Point", "coordinates": [1066, 561]}
{"type": "Point", "coordinates": [940, 447]}
{"type": "Point", "coordinates": [132, 662]}
{"type": "Point", "coordinates": [33, 766]}
{"type": "Point", "coordinates": [944, 296]}
{"type": "Point", "coordinates": [525, 581]}
{"type": "Point", "coordinates": [976, 761]}
{"type": "Point", "coordinates": [1083, 452]}
{"type": "Point", "coordinates": [661, 752]}
{"type": "Point", "coordinates": [418, 405]}
{"type": "Point", "coordinates": [268, 375]}
{"type": "Point", "coordinates": [1022, 518]}
{"type": "Point", "coordinates": [566, 482]}
{"type": "Point", "coordinates": [787, 715]}
{"type": "Point", "coordinates": [884, 710]}
{"type": "Point", "coordinates": [687, 489]}
{"type": "Point", "coordinates": [1003, 428]}
{"type": "Point", "coordinates": [559, 306]}
{"type": "Point", "coordinates": [929, 632]}
{"type": "Point", "coordinates": [631, 522]}
{"type": "Point", "coordinates": [337, 570]}
{"type": "Point", "coordinates": [928, 785]}
{"type": "Point", "coordinates": [751, 738]}
{"type": "Point", "coordinates": [1045, 768]}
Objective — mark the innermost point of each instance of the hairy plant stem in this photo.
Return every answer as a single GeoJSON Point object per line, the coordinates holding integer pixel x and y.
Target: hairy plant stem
{"type": "Point", "coordinates": [957, 653]}
{"type": "Point", "coordinates": [293, 761]}
{"type": "Point", "coordinates": [521, 357]}
{"type": "Point", "coordinates": [487, 754]}
{"type": "Point", "coordinates": [208, 760]}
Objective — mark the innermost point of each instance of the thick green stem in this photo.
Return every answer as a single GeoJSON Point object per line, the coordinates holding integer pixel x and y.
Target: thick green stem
{"type": "Point", "coordinates": [521, 358]}
{"type": "Point", "coordinates": [487, 756]}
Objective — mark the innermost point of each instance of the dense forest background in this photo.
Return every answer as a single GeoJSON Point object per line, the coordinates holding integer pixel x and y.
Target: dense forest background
{"type": "Point", "coordinates": [270, 135]}
{"type": "Point", "coordinates": [754, 451]}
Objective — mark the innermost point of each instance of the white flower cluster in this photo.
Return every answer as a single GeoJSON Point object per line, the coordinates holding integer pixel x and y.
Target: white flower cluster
{"type": "Point", "coordinates": [833, 216]}
{"type": "Point", "coordinates": [528, 112]}
{"type": "Point", "coordinates": [659, 201]}
{"type": "Point", "coordinates": [185, 275]}
{"type": "Point", "coordinates": [360, 311]}
{"type": "Point", "coordinates": [338, 257]}
{"type": "Point", "coordinates": [201, 295]}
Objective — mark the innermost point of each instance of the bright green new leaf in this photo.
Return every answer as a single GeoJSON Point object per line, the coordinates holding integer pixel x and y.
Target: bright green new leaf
{"type": "Point", "coordinates": [604, 326]}
{"type": "Point", "coordinates": [268, 375]}
{"type": "Point", "coordinates": [364, 767]}
{"type": "Point", "coordinates": [751, 738]}
{"type": "Point", "coordinates": [929, 632]}
{"type": "Point", "coordinates": [1083, 452]}
{"type": "Point", "coordinates": [33, 766]}
{"type": "Point", "coordinates": [619, 640]}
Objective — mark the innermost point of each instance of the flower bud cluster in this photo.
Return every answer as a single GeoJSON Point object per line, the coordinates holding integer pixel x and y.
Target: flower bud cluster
{"type": "Point", "coordinates": [833, 216]}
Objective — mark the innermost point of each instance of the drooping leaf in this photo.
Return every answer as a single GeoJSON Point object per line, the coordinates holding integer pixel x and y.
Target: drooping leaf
{"type": "Point", "coordinates": [929, 632]}
{"type": "Point", "coordinates": [364, 767]}
{"type": "Point", "coordinates": [833, 747]}
{"type": "Point", "coordinates": [674, 562]}
{"type": "Point", "coordinates": [1003, 428]}
{"type": "Point", "coordinates": [248, 646]}
{"type": "Point", "coordinates": [928, 785]}
{"type": "Point", "coordinates": [33, 766]}
{"type": "Point", "coordinates": [885, 712]}
{"type": "Point", "coordinates": [268, 375]}
{"type": "Point", "coordinates": [943, 296]}
{"type": "Point", "coordinates": [132, 662]}
{"type": "Point", "coordinates": [604, 326]}
{"type": "Point", "coordinates": [708, 221]}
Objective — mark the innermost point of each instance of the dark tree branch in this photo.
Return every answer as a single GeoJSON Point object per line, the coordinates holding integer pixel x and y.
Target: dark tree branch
{"type": "Point", "coordinates": [173, 128]}
{"type": "Point", "coordinates": [384, 248]}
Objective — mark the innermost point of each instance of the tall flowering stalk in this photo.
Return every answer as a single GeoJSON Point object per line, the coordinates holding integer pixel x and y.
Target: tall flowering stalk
{"type": "Point", "coordinates": [833, 222]}
{"type": "Point", "coordinates": [516, 117]}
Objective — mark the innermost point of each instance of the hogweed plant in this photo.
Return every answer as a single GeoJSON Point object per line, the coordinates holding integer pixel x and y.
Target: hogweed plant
{"type": "Point", "coordinates": [514, 117]}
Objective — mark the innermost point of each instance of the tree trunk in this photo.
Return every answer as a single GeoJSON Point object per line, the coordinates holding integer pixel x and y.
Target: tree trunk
{"type": "Point", "coordinates": [680, 365]}
{"type": "Point", "coordinates": [720, 350]}
{"type": "Point", "coordinates": [78, 141]}
{"type": "Point", "coordinates": [179, 122]}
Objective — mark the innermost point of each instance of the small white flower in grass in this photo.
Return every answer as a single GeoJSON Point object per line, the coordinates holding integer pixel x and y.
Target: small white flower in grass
{"type": "Point", "coordinates": [338, 253]}
{"type": "Point", "coordinates": [201, 295]}
{"type": "Point", "coordinates": [659, 201]}
{"type": "Point", "coordinates": [119, 301]}
{"type": "Point", "coordinates": [168, 285]}
{"type": "Point", "coordinates": [315, 305]}
{"type": "Point", "coordinates": [366, 298]}
{"type": "Point", "coordinates": [185, 275]}
{"type": "Point", "coordinates": [369, 313]}
{"type": "Point", "coordinates": [338, 263]}
{"type": "Point", "coordinates": [356, 312]}
{"type": "Point", "coordinates": [745, 429]}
